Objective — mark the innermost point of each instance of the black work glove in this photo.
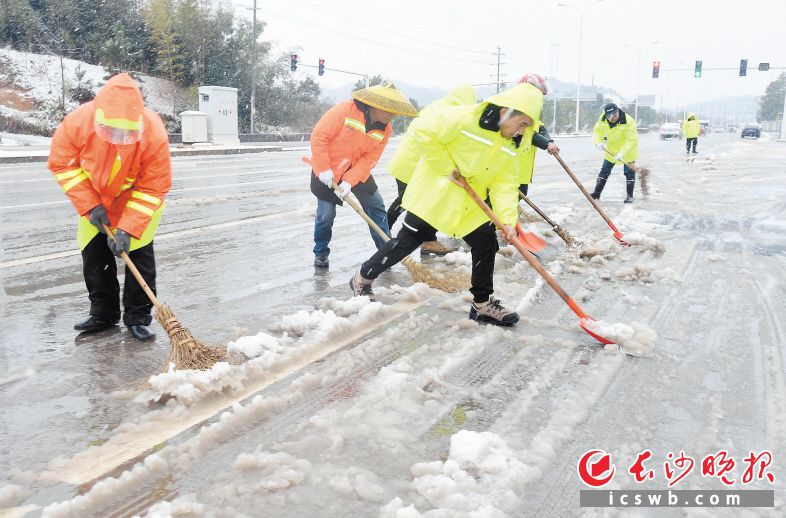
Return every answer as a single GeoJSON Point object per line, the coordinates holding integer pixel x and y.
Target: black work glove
{"type": "Point", "coordinates": [121, 242]}
{"type": "Point", "coordinates": [98, 218]}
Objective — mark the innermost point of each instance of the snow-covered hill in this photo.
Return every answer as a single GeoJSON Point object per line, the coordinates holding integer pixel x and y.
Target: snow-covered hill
{"type": "Point", "coordinates": [31, 87]}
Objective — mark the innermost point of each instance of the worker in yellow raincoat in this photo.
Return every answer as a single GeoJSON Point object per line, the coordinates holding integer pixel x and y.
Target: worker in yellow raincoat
{"type": "Point", "coordinates": [478, 142]}
{"type": "Point", "coordinates": [617, 138]}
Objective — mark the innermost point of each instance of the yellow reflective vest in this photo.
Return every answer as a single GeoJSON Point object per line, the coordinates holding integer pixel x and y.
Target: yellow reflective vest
{"type": "Point", "coordinates": [622, 138]}
{"type": "Point", "coordinates": [451, 138]}
{"type": "Point", "coordinates": [406, 157]}
{"type": "Point", "coordinates": [690, 127]}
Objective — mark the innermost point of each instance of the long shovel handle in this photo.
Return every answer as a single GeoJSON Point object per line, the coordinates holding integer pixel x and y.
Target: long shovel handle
{"type": "Point", "coordinates": [462, 182]}
{"type": "Point", "coordinates": [138, 276]}
{"type": "Point", "coordinates": [617, 233]}
{"type": "Point", "coordinates": [363, 215]}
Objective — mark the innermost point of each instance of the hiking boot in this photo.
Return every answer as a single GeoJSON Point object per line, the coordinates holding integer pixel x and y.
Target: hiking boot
{"type": "Point", "coordinates": [141, 332]}
{"type": "Point", "coordinates": [321, 261]}
{"type": "Point", "coordinates": [361, 287]}
{"type": "Point", "coordinates": [93, 324]}
{"type": "Point", "coordinates": [492, 312]}
{"type": "Point", "coordinates": [435, 248]}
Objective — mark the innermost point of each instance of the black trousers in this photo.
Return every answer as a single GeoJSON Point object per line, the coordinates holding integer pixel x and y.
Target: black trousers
{"type": "Point", "coordinates": [395, 210]}
{"type": "Point", "coordinates": [100, 270]}
{"type": "Point", "coordinates": [482, 242]}
{"type": "Point", "coordinates": [523, 188]}
{"type": "Point", "coordinates": [690, 140]}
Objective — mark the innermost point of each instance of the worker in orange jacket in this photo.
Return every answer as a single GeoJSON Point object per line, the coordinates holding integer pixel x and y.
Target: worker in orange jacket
{"type": "Point", "coordinates": [111, 158]}
{"type": "Point", "coordinates": [346, 144]}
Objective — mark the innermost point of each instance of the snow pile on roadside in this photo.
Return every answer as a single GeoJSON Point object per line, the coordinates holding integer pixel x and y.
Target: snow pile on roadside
{"type": "Point", "coordinates": [272, 471]}
{"type": "Point", "coordinates": [637, 339]}
{"type": "Point", "coordinates": [646, 274]}
{"type": "Point", "coordinates": [12, 494]}
{"type": "Point", "coordinates": [302, 334]}
{"type": "Point", "coordinates": [644, 243]}
{"type": "Point", "coordinates": [606, 247]}
{"type": "Point", "coordinates": [481, 477]}
{"type": "Point", "coordinates": [183, 506]}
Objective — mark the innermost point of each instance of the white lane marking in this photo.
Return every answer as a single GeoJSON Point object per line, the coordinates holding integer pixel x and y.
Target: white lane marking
{"type": "Point", "coordinates": [164, 237]}
{"type": "Point", "coordinates": [173, 191]}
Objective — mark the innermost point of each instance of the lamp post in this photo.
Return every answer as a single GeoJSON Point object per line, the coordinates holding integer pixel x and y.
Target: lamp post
{"type": "Point", "coordinates": [581, 29]}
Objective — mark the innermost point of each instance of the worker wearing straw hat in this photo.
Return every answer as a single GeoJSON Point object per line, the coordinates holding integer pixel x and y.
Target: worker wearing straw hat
{"type": "Point", "coordinates": [346, 144]}
{"type": "Point", "coordinates": [111, 158]}
{"type": "Point", "coordinates": [477, 141]}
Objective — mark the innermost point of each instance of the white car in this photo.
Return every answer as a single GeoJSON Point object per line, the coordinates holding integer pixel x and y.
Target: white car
{"type": "Point", "coordinates": [670, 130]}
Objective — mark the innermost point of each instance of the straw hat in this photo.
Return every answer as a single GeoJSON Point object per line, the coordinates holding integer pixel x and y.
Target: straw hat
{"type": "Point", "coordinates": [387, 98]}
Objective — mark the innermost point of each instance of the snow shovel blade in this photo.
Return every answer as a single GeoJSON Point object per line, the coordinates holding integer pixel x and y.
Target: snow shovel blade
{"type": "Point", "coordinates": [533, 243]}
{"type": "Point", "coordinates": [584, 322]}
{"type": "Point", "coordinates": [618, 236]}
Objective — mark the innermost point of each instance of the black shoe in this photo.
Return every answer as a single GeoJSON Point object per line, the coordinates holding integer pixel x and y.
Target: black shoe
{"type": "Point", "coordinates": [141, 332]}
{"type": "Point", "coordinates": [629, 199]}
{"type": "Point", "coordinates": [93, 324]}
{"type": "Point", "coordinates": [695, 152]}
{"type": "Point", "coordinates": [321, 261]}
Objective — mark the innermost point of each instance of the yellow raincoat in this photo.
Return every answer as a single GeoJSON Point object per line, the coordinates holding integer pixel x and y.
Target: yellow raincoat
{"type": "Point", "coordinates": [622, 138]}
{"type": "Point", "coordinates": [452, 138]}
{"type": "Point", "coordinates": [527, 167]}
{"type": "Point", "coordinates": [406, 157]}
{"type": "Point", "coordinates": [690, 127]}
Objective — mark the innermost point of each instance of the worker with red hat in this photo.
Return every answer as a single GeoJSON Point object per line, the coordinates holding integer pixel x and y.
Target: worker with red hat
{"type": "Point", "coordinates": [540, 138]}
{"type": "Point", "coordinates": [111, 158]}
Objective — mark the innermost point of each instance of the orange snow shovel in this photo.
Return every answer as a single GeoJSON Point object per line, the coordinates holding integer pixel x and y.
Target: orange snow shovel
{"type": "Point", "coordinates": [584, 319]}
{"type": "Point", "coordinates": [617, 233]}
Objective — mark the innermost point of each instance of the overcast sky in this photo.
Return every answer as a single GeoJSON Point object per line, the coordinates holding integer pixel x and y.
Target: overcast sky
{"type": "Point", "coordinates": [445, 43]}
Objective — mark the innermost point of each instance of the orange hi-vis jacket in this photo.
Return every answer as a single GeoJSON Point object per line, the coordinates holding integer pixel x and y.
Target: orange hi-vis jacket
{"type": "Point", "coordinates": [339, 142]}
{"type": "Point", "coordinates": [129, 180]}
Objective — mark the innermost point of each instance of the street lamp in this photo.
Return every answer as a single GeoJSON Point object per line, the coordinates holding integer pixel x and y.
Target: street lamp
{"type": "Point", "coordinates": [581, 28]}
{"type": "Point", "coordinates": [638, 68]}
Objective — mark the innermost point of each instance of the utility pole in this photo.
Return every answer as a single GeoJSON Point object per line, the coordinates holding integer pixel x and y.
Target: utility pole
{"type": "Point", "coordinates": [253, 66]}
{"type": "Point", "coordinates": [782, 132]}
{"type": "Point", "coordinates": [499, 62]}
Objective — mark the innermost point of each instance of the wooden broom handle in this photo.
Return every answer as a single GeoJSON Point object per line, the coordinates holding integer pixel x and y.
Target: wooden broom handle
{"type": "Point", "coordinates": [138, 276]}
{"type": "Point", "coordinates": [363, 214]}
{"type": "Point", "coordinates": [461, 181]}
{"type": "Point", "coordinates": [536, 209]}
{"type": "Point", "coordinates": [587, 194]}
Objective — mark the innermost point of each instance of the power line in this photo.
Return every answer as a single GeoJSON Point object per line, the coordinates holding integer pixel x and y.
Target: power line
{"type": "Point", "coordinates": [370, 40]}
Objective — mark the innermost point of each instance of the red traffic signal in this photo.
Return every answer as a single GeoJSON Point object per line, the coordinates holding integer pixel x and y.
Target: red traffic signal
{"type": "Point", "coordinates": [293, 62]}
{"type": "Point", "coordinates": [655, 69]}
{"type": "Point", "coordinates": [321, 67]}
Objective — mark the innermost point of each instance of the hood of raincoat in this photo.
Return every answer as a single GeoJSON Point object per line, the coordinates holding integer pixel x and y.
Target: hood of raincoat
{"type": "Point", "coordinates": [525, 98]}
{"type": "Point", "coordinates": [691, 116]}
{"type": "Point", "coordinates": [119, 105]}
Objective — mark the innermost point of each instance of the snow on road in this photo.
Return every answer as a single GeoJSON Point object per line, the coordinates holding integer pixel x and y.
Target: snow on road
{"type": "Point", "coordinates": [405, 408]}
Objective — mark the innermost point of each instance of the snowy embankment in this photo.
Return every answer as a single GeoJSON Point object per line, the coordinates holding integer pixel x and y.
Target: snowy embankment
{"type": "Point", "coordinates": [31, 87]}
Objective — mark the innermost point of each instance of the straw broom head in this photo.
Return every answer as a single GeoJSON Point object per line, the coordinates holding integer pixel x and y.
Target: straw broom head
{"type": "Point", "coordinates": [186, 352]}
{"type": "Point", "coordinates": [449, 282]}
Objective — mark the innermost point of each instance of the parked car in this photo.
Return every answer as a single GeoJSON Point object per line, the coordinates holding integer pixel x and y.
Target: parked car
{"type": "Point", "coordinates": [670, 130]}
{"type": "Point", "coordinates": [704, 127]}
{"type": "Point", "coordinates": [752, 130]}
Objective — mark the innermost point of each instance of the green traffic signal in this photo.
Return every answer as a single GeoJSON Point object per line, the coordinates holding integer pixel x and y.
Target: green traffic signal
{"type": "Point", "coordinates": [697, 69]}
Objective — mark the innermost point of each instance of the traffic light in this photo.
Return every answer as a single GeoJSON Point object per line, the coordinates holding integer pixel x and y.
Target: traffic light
{"type": "Point", "coordinates": [697, 69]}
{"type": "Point", "coordinates": [293, 62]}
{"type": "Point", "coordinates": [763, 67]}
{"type": "Point", "coordinates": [743, 67]}
{"type": "Point", "coordinates": [655, 69]}
{"type": "Point", "coordinates": [322, 67]}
